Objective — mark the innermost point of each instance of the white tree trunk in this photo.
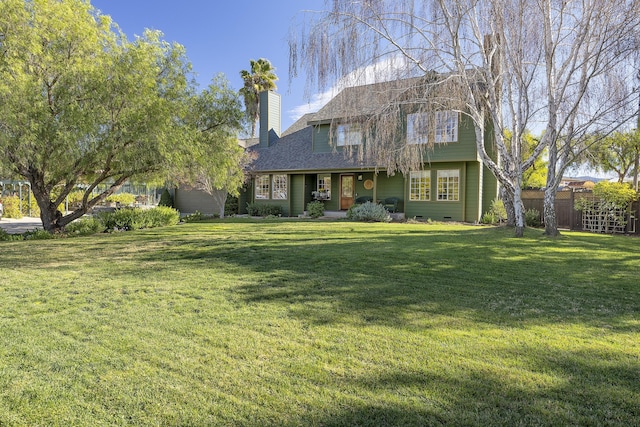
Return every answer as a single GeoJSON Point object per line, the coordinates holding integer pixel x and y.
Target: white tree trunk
{"type": "Point", "coordinates": [518, 207]}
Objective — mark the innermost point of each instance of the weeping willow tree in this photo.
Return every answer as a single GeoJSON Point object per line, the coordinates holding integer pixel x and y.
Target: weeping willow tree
{"type": "Point", "coordinates": [562, 67]}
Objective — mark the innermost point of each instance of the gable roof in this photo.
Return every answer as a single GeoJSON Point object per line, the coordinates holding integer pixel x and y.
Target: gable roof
{"type": "Point", "coordinates": [293, 152]}
{"type": "Point", "coordinates": [366, 99]}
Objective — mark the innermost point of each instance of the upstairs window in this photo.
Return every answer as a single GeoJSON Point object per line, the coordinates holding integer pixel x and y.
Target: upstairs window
{"type": "Point", "coordinates": [262, 187]}
{"type": "Point", "coordinates": [446, 126]}
{"type": "Point", "coordinates": [417, 128]}
{"type": "Point", "coordinates": [279, 187]}
{"type": "Point", "coordinates": [348, 134]}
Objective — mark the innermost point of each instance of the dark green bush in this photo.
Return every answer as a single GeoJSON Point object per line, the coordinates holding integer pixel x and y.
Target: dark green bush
{"type": "Point", "coordinates": [489, 218]}
{"type": "Point", "coordinates": [39, 234]}
{"type": "Point", "coordinates": [161, 216]}
{"type": "Point", "coordinates": [85, 226]}
{"type": "Point", "coordinates": [166, 199]}
{"type": "Point", "coordinates": [315, 209]}
{"type": "Point", "coordinates": [6, 237]}
{"type": "Point", "coordinates": [231, 206]}
{"type": "Point", "coordinates": [532, 218]}
{"type": "Point", "coordinates": [136, 219]}
{"type": "Point", "coordinates": [497, 213]}
{"type": "Point", "coordinates": [262, 209]}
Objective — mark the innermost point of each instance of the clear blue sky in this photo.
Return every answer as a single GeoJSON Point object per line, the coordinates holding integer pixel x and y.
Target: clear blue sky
{"type": "Point", "coordinates": [222, 36]}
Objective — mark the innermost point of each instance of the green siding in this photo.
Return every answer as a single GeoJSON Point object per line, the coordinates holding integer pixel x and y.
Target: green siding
{"type": "Point", "coordinates": [334, 203]}
{"type": "Point", "coordinates": [310, 185]}
{"type": "Point", "coordinates": [472, 183]}
{"type": "Point", "coordinates": [270, 106]}
{"type": "Point", "coordinates": [297, 195]}
{"type": "Point", "coordinates": [391, 186]}
{"type": "Point", "coordinates": [360, 190]}
{"type": "Point", "coordinates": [320, 139]}
{"type": "Point", "coordinates": [244, 197]}
{"type": "Point", "coordinates": [435, 209]}
{"type": "Point", "coordinates": [489, 190]}
{"type": "Point", "coordinates": [463, 149]}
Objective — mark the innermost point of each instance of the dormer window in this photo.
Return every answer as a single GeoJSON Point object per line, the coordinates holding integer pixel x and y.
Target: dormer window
{"type": "Point", "coordinates": [348, 134]}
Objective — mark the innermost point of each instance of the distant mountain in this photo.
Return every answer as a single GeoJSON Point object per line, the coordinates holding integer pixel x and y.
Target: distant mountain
{"type": "Point", "coordinates": [589, 178]}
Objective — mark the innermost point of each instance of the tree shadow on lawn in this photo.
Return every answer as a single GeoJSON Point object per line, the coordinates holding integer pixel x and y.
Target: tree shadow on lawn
{"type": "Point", "coordinates": [381, 279]}
{"type": "Point", "coordinates": [583, 392]}
{"type": "Point", "coordinates": [406, 280]}
{"type": "Point", "coordinates": [385, 277]}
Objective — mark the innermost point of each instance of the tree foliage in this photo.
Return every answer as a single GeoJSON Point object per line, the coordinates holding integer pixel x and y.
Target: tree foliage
{"type": "Point", "coordinates": [562, 66]}
{"type": "Point", "coordinates": [217, 161]}
{"type": "Point", "coordinates": [80, 103]}
{"type": "Point", "coordinates": [260, 77]}
{"type": "Point", "coordinates": [617, 153]}
{"type": "Point", "coordinates": [618, 193]}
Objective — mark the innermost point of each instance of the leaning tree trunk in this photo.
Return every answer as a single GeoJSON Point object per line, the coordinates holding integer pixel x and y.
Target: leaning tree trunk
{"type": "Point", "coordinates": [49, 213]}
{"type": "Point", "coordinates": [507, 200]}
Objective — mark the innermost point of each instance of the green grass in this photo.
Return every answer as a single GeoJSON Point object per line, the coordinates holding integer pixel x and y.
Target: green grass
{"type": "Point", "coordinates": [320, 324]}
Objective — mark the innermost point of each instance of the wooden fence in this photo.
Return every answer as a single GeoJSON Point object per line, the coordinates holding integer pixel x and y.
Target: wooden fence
{"type": "Point", "coordinates": [568, 217]}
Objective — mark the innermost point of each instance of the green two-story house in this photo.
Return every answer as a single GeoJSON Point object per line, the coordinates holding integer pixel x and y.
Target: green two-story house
{"type": "Point", "coordinates": [317, 158]}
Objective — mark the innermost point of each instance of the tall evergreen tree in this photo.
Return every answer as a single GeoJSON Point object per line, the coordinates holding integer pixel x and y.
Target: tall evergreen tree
{"type": "Point", "coordinates": [259, 78]}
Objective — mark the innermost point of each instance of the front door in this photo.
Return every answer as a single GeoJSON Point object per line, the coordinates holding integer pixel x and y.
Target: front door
{"type": "Point", "coordinates": [347, 191]}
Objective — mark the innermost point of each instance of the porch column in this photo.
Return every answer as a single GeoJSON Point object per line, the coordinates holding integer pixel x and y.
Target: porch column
{"type": "Point", "coordinates": [375, 187]}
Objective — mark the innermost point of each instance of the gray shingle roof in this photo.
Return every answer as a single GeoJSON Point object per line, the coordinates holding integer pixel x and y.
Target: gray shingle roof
{"type": "Point", "coordinates": [293, 152]}
{"type": "Point", "coordinates": [364, 100]}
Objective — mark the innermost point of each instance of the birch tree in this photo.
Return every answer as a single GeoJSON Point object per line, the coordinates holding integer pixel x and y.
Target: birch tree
{"type": "Point", "coordinates": [510, 64]}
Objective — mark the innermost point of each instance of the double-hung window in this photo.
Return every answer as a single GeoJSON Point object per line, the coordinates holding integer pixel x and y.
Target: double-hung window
{"type": "Point", "coordinates": [449, 185]}
{"type": "Point", "coordinates": [262, 187]}
{"type": "Point", "coordinates": [279, 187]}
{"type": "Point", "coordinates": [417, 128]}
{"type": "Point", "coordinates": [420, 186]}
{"type": "Point", "coordinates": [446, 127]}
{"type": "Point", "coordinates": [348, 134]}
{"type": "Point", "coordinates": [439, 127]}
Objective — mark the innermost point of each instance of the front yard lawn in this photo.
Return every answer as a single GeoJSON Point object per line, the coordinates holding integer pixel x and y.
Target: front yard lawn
{"type": "Point", "coordinates": [255, 323]}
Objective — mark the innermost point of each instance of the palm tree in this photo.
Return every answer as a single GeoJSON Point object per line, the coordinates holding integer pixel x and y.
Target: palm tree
{"type": "Point", "coordinates": [260, 78]}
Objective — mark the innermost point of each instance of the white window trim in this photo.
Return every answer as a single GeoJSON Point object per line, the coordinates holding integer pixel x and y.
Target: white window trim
{"type": "Point", "coordinates": [279, 187]}
{"type": "Point", "coordinates": [448, 174]}
{"type": "Point", "coordinates": [420, 175]}
{"type": "Point", "coordinates": [417, 128]}
{"type": "Point", "coordinates": [348, 134]}
{"type": "Point", "coordinates": [260, 193]}
{"type": "Point", "coordinates": [444, 132]}
{"type": "Point", "coordinates": [323, 192]}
